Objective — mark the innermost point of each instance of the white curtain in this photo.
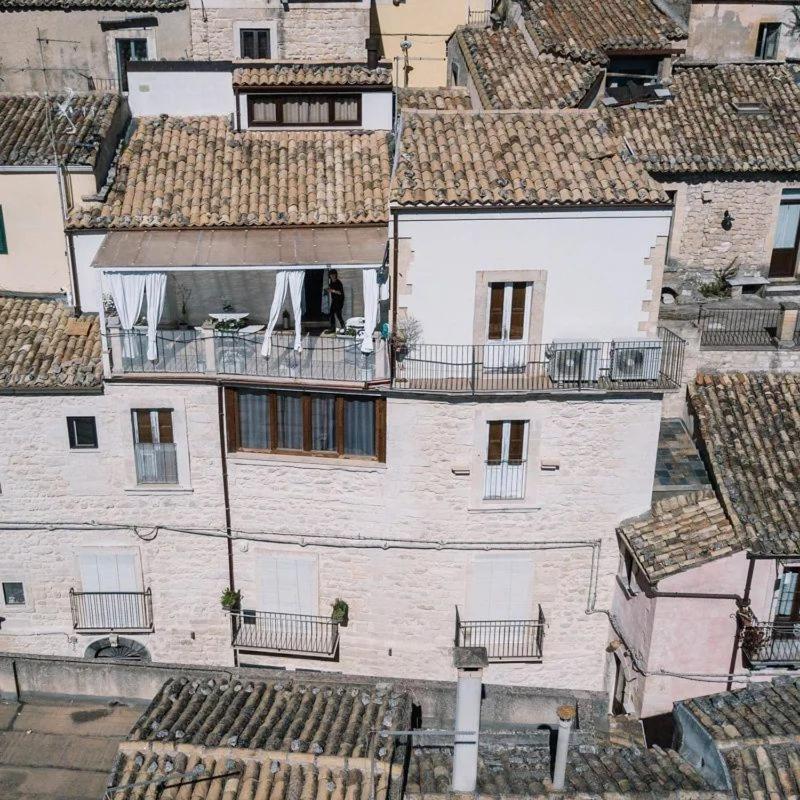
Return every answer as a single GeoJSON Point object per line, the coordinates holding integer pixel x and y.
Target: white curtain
{"type": "Point", "coordinates": [370, 280]}
{"type": "Point", "coordinates": [293, 280]}
{"type": "Point", "coordinates": [155, 284]}
{"type": "Point", "coordinates": [127, 290]}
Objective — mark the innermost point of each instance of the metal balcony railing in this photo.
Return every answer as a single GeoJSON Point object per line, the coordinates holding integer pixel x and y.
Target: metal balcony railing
{"type": "Point", "coordinates": [179, 351]}
{"type": "Point", "coordinates": [285, 634]}
{"type": "Point", "coordinates": [123, 612]}
{"type": "Point", "coordinates": [479, 18]}
{"type": "Point", "coordinates": [156, 463]}
{"type": "Point", "coordinates": [504, 640]}
{"type": "Point", "coordinates": [505, 480]}
{"type": "Point", "coordinates": [739, 327]}
{"type": "Point", "coordinates": [622, 365]}
{"type": "Point", "coordinates": [771, 644]}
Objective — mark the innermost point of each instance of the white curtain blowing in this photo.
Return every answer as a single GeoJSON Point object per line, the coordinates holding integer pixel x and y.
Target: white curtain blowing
{"type": "Point", "coordinates": [293, 281]}
{"type": "Point", "coordinates": [128, 290]}
{"type": "Point", "coordinates": [370, 281]}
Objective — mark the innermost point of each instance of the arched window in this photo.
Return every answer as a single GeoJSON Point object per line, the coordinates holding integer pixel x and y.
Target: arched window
{"type": "Point", "coordinates": [119, 648]}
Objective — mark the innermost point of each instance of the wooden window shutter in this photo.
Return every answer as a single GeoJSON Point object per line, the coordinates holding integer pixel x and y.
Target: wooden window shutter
{"type": "Point", "coordinates": [496, 293]}
{"type": "Point", "coordinates": [516, 441]}
{"type": "Point", "coordinates": [144, 429]}
{"type": "Point", "coordinates": [495, 451]}
{"type": "Point", "coordinates": [380, 428]}
{"type": "Point", "coordinates": [165, 426]}
{"type": "Point", "coordinates": [232, 419]}
{"type": "Point", "coordinates": [518, 293]}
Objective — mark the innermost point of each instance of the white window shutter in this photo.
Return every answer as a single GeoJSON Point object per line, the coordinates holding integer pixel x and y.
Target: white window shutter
{"type": "Point", "coordinates": [478, 600]}
{"type": "Point", "coordinates": [288, 589]}
{"type": "Point", "coordinates": [90, 576]}
{"type": "Point", "coordinates": [268, 574]}
{"type": "Point", "coordinates": [307, 586]}
{"type": "Point", "coordinates": [520, 595]}
{"type": "Point", "coordinates": [127, 579]}
{"type": "Point", "coordinates": [502, 588]}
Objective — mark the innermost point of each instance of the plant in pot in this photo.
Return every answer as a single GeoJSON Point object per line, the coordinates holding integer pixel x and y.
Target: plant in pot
{"type": "Point", "coordinates": [341, 612]}
{"type": "Point", "coordinates": [184, 293]}
{"type": "Point", "coordinates": [110, 309]}
{"type": "Point", "coordinates": [231, 599]}
{"type": "Point", "coordinates": [407, 334]}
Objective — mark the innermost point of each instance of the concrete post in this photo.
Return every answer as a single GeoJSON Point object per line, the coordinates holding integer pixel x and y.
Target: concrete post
{"type": "Point", "coordinates": [114, 338]}
{"type": "Point", "coordinates": [787, 324]}
{"type": "Point", "coordinates": [470, 662]}
{"type": "Point", "coordinates": [209, 350]}
{"type": "Point", "coordinates": [565, 716]}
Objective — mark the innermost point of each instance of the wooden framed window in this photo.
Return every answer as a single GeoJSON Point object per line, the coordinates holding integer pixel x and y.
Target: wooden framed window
{"type": "Point", "coordinates": [303, 110]}
{"type": "Point", "coordinates": [505, 476]}
{"type": "Point", "coordinates": [254, 43]}
{"type": "Point", "coordinates": [769, 35]}
{"type": "Point", "coordinates": [3, 238]}
{"type": "Point", "coordinates": [154, 446]}
{"type": "Point", "coordinates": [13, 593]}
{"type": "Point", "coordinates": [306, 423]}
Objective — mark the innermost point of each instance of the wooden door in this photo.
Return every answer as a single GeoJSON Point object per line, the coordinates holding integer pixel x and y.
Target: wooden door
{"type": "Point", "coordinates": [787, 240]}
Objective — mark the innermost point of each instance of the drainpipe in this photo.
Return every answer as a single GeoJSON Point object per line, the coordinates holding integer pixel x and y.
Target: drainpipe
{"type": "Point", "coordinates": [223, 452]}
{"type": "Point", "coordinates": [470, 662]}
{"type": "Point", "coordinates": [565, 716]}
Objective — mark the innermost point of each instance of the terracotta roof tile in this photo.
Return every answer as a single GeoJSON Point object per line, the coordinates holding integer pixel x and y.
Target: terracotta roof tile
{"type": "Point", "coordinates": [25, 136]}
{"type": "Point", "coordinates": [83, 5]}
{"type": "Point", "coordinates": [453, 98]}
{"type": "Point", "coordinates": [519, 159]}
{"type": "Point", "coordinates": [761, 771]}
{"type": "Point", "coordinates": [41, 347]}
{"type": "Point", "coordinates": [508, 75]}
{"type": "Point", "coordinates": [587, 29]}
{"type": "Point", "coordinates": [680, 533]}
{"type": "Point", "coordinates": [749, 424]}
{"type": "Point", "coordinates": [231, 775]}
{"type": "Point", "coordinates": [195, 172]}
{"type": "Point", "coordinates": [700, 129]}
{"type": "Point", "coordinates": [308, 717]}
{"type": "Point", "coordinates": [311, 74]}
{"type": "Point", "coordinates": [593, 770]}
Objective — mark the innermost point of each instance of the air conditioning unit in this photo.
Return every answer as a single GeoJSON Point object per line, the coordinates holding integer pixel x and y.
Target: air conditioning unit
{"type": "Point", "coordinates": [571, 362]}
{"type": "Point", "coordinates": [636, 360]}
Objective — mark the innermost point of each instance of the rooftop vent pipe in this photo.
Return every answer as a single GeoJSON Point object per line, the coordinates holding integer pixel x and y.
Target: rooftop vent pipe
{"type": "Point", "coordinates": [469, 661]}
{"type": "Point", "coordinates": [565, 716]}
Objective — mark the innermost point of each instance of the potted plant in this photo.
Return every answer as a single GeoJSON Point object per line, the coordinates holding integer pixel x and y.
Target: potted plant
{"type": "Point", "coordinates": [341, 612]}
{"type": "Point", "coordinates": [231, 600]}
{"type": "Point", "coordinates": [184, 292]}
{"type": "Point", "coordinates": [110, 310]}
{"type": "Point", "coordinates": [407, 334]}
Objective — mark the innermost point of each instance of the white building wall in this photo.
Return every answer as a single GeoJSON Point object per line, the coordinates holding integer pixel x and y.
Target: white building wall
{"type": "Point", "coordinates": [598, 277]}
{"type": "Point", "coordinates": [186, 93]}
{"type": "Point", "coordinates": [84, 248]}
{"type": "Point", "coordinates": [402, 600]}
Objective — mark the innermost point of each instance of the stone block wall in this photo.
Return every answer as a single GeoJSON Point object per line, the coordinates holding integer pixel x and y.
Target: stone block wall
{"type": "Point", "coordinates": [304, 32]}
{"type": "Point", "coordinates": [699, 242]}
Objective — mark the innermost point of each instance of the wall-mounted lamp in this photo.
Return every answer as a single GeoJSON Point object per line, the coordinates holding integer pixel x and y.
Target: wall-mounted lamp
{"type": "Point", "coordinates": [727, 220]}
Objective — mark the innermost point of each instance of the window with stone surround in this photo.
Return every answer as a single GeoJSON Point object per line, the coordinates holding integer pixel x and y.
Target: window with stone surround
{"type": "Point", "coordinates": [506, 462]}
{"type": "Point", "coordinates": [303, 110]}
{"type": "Point", "coordinates": [769, 35]}
{"type": "Point", "coordinates": [82, 432]}
{"type": "Point", "coordinates": [306, 423]}
{"type": "Point", "coordinates": [13, 593]}
{"type": "Point", "coordinates": [154, 446]}
{"type": "Point", "coordinates": [254, 43]}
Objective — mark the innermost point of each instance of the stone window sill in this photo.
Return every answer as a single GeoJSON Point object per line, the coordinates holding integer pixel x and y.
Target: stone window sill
{"type": "Point", "coordinates": [154, 488]}
{"type": "Point", "coordinates": [313, 462]}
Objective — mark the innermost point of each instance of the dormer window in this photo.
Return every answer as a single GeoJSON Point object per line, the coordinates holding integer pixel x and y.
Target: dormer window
{"type": "Point", "coordinates": [769, 34]}
{"type": "Point", "coordinates": [749, 106]}
{"type": "Point", "coordinates": [304, 110]}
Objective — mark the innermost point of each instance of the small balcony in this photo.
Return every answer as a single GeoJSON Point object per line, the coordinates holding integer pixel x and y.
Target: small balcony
{"type": "Point", "coordinates": [504, 640]}
{"type": "Point", "coordinates": [771, 644]}
{"type": "Point", "coordinates": [111, 612]}
{"type": "Point", "coordinates": [286, 634]}
{"type": "Point", "coordinates": [156, 463]}
{"type": "Point", "coordinates": [622, 366]}
{"type": "Point", "coordinates": [505, 480]}
{"type": "Point", "coordinates": [760, 325]}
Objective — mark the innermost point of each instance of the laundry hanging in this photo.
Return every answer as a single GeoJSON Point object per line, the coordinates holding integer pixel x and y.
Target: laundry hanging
{"type": "Point", "coordinates": [293, 281]}
{"type": "Point", "coordinates": [369, 278]}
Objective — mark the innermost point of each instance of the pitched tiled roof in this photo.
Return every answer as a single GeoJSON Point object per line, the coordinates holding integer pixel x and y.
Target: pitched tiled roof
{"type": "Point", "coordinates": [229, 775]}
{"type": "Point", "coordinates": [765, 771]}
{"type": "Point", "coordinates": [592, 771]}
{"type": "Point", "coordinates": [84, 5]}
{"type": "Point", "coordinates": [195, 172]}
{"type": "Point", "coordinates": [749, 424]}
{"type": "Point", "coordinates": [307, 717]}
{"type": "Point", "coordinates": [519, 159]}
{"type": "Point", "coordinates": [454, 98]}
{"type": "Point", "coordinates": [25, 135]}
{"type": "Point", "coordinates": [760, 710]}
{"type": "Point", "coordinates": [700, 129]}
{"type": "Point", "coordinates": [587, 29]}
{"type": "Point", "coordinates": [311, 74]}
{"type": "Point", "coordinates": [508, 75]}
{"type": "Point", "coordinates": [43, 347]}
{"type": "Point", "coordinates": [680, 533]}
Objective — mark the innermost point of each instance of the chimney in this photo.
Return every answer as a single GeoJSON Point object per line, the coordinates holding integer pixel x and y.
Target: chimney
{"type": "Point", "coordinates": [469, 661]}
{"type": "Point", "coordinates": [373, 44]}
{"type": "Point", "coordinates": [565, 716]}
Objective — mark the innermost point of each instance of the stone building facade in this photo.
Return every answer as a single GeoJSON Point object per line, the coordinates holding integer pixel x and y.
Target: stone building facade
{"type": "Point", "coordinates": [333, 31]}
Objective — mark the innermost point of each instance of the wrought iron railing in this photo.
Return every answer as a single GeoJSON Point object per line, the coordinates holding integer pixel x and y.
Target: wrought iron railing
{"type": "Point", "coordinates": [771, 643]}
{"type": "Point", "coordinates": [111, 611]}
{"type": "Point", "coordinates": [479, 18]}
{"type": "Point", "coordinates": [739, 327]}
{"type": "Point", "coordinates": [504, 640]}
{"type": "Point", "coordinates": [178, 351]}
{"type": "Point", "coordinates": [292, 634]}
{"type": "Point", "coordinates": [505, 480]}
{"type": "Point", "coordinates": [156, 463]}
{"type": "Point", "coordinates": [622, 365]}
{"type": "Point", "coordinates": [97, 84]}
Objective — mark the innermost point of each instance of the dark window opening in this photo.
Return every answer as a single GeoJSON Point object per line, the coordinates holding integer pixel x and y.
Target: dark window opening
{"type": "Point", "coordinates": [307, 110]}
{"type": "Point", "coordinates": [82, 432]}
{"type": "Point", "coordinates": [13, 593]}
{"type": "Point", "coordinates": [129, 50]}
{"type": "Point", "coordinates": [254, 43]}
{"type": "Point", "coordinates": [632, 78]}
{"type": "Point", "coordinates": [769, 35]}
{"type": "Point", "coordinates": [3, 239]}
{"type": "Point", "coordinates": [298, 423]}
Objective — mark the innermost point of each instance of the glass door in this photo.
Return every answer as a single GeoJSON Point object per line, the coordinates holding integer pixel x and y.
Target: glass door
{"type": "Point", "coordinates": [787, 237]}
{"type": "Point", "coordinates": [129, 50]}
{"type": "Point", "coordinates": [509, 321]}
